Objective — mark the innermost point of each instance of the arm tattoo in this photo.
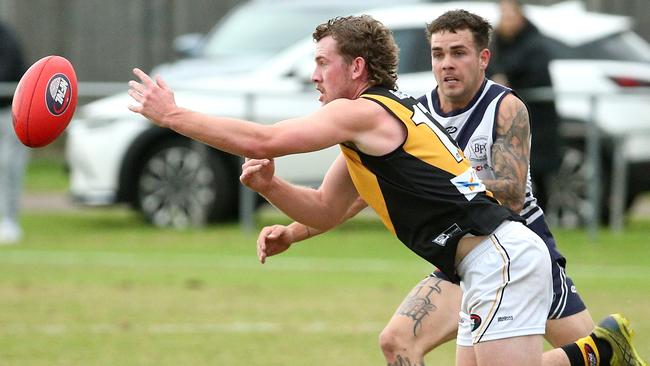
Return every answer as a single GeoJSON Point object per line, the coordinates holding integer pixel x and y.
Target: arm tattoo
{"type": "Point", "coordinates": [510, 157]}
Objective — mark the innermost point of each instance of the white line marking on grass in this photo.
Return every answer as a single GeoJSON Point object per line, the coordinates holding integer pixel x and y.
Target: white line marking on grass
{"type": "Point", "coordinates": [152, 260]}
{"type": "Point", "coordinates": [318, 327]}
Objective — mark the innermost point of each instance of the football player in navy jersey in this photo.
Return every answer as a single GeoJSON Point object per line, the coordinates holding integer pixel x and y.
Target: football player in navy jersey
{"type": "Point", "coordinates": [490, 123]}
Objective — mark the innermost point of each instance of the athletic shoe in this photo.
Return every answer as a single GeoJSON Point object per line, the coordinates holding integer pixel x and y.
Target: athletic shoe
{"type": "Point", "coordinates": [615, 329]}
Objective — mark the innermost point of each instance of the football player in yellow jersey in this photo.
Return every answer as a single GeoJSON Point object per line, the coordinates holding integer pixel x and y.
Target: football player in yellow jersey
{"type": "Point", "coordinates": [356, 56]}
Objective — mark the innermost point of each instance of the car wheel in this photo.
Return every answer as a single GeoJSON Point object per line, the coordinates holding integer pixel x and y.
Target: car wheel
{"type": "Point", "coordinates": [183, 184]}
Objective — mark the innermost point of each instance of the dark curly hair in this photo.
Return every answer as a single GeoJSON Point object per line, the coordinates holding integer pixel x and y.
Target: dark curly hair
{"type": "Point", "coordinates": [363, 36]}
{"type": "Point", "coordinates": [455, 20]}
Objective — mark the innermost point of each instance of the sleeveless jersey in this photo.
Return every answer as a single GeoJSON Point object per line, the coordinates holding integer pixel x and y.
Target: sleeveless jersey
{"type": "Point", "coordinates": [425, 191]}
{"type": "Point", "coordinates": [473, 128]}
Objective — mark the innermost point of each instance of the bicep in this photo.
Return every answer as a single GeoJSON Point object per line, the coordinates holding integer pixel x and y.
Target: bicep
{"type": "Point", "coordinates": [338, 190]}
{"type": "Point", "coordinates": [337, 122]}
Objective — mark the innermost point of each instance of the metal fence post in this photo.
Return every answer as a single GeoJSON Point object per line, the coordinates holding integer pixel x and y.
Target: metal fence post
{"type": "Point", "coordinates": [247, 196]}
{"type": "Point", "coordinates": [594, 174]}
{"type": "Point", "coordinates": [619, 185]}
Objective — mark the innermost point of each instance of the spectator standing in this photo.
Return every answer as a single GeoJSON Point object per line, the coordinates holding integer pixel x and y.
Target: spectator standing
{"type": "Point", "coordinates": [520, 60]}
{"type": "Point", "coordinates": [13, 155]}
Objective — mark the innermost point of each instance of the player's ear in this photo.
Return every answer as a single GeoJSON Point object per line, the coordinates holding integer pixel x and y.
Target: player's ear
{"type": "Point", "coordinates": [484, 58]}
{"type": "Point", "coordinates": [358, 67]}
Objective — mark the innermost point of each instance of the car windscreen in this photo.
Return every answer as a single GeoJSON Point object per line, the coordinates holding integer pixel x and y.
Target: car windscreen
{"type": "Point", "coordinates": [624, 46]}
{"type": "Point", "coordinates": [414, 51]}
{"type": "Point", "coordinates": [265, 28]}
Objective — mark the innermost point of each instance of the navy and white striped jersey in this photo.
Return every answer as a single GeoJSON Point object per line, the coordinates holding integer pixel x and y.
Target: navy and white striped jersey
{"type": "Point", "coordinates": [474, 130]}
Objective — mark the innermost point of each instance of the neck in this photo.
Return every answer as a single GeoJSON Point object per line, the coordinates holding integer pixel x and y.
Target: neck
{"type": "Point", "coordinates": [357, 91]}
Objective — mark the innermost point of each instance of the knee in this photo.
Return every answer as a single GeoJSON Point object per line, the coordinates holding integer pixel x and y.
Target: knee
{"type": "Point", "coordinates": [393, 341]}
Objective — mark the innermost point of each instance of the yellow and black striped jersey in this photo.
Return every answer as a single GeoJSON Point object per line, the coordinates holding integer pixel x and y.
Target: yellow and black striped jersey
{"type": "Point", "coordinates": [425, 191]}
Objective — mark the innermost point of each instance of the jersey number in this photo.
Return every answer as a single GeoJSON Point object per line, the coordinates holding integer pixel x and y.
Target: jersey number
{"type": "Point", "coordinates": [420, 116]}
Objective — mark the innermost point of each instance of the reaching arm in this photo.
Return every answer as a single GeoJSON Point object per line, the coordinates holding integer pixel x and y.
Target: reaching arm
{"type": "Point", "coordinates": [276, 239]}
{"type": "Point", "coordinates": [511, 154]}
{"type": "Point", "coordinates": [321, 208]}
{"type": "Point", "coordinates": [302, 232]}
{"type": "Point", "coordinates": [342, 120]}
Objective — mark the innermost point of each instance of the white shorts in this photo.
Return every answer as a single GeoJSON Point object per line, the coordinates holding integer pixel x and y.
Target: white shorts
{"type": "Point", "coordinates": [507, 286]}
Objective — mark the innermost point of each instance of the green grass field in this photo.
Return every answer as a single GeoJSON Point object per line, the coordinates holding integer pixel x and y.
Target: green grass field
{"type": "Point", "coordinates": [98, 287]}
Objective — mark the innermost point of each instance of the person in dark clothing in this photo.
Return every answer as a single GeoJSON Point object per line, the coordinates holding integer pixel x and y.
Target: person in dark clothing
{"type": "Point", "coordinates": [520, 60]}
{"type": "Point", "coordinates": [13, 155]}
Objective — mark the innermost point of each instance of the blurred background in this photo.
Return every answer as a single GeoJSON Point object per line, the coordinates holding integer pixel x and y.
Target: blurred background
{"type": "Point", "coordinates": [142, 32]}
{"type": "Point", "coordinates": [187, 40]}
{"type": "Point", "coordinates": [103, 276]}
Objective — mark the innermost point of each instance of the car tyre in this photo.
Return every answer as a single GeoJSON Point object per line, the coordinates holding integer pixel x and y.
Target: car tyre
{"type": "Point", "coordinates": [183, 184]}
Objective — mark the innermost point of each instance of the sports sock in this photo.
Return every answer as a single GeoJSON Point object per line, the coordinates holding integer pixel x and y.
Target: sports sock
{"type": "Point", "coordinates": [589, 351]}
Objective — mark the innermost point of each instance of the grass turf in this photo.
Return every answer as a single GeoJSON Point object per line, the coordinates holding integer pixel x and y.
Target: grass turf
{"type": "Point", "coordinates": [98, 287]}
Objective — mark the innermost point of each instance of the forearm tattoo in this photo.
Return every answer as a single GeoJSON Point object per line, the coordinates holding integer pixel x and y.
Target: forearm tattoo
{"type": "Point", "coordinates": [418, 305]}
{"type": "Point", "coordinates": [404, 361]}
{"type": "Point", "coordinates": [510, 158]}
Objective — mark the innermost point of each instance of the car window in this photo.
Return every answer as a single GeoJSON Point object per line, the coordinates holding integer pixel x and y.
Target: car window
{"type": "Point", "coordinates": [616, 47]}
{"type": "Point", "coordinates": [265, 28]}
{"type": "Point", "coordinates": [414, 55]}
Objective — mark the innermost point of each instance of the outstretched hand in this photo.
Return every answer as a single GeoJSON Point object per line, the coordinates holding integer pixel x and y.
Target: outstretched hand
{"type": "Point", "coordinates": [273, 240]}
{"type": "Point", "coordinates": [257, 174]}
{"type": "Point", "coordinates": [155, 98]}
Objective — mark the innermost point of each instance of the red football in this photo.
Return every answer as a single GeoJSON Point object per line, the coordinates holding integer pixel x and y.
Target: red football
{"type": "Point", "coordinates": [44, 101]}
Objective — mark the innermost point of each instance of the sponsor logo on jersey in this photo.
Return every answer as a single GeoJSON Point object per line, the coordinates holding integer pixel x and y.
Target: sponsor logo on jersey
{"type": "Point", "coordinates": [476, 321]}
{"type": "Point", "coordinates": [478, 148]}
{"type": "Point", "coordinates": [468, 183]}
{"type": "Point", "coordinates": [453, 230]}
{"type": "Point", "coordinates": [482, 167]}
{"type": "Point", "coordinates": [451, 129]}
{"type": "Point", "coordinates": [57, 94]}
{"type": "Point", "coordinates": [592, 360]}
{"type": "Point", "coordinates": [505, 318]}
{"type": "Point", "coordinates": [399, 94]}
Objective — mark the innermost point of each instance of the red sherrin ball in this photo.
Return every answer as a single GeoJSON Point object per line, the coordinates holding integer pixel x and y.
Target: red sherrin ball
{"type": "Point", "coordinates": [44, 101]}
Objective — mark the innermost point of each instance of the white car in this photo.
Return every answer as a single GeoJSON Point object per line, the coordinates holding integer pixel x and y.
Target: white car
{"type": "Point", "coordinates": [115, 156]}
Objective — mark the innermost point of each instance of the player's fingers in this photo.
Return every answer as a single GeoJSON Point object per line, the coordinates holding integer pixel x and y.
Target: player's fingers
{"type": "Point", "coordinates": [161, 83]}
{"type": "Point", "coordinates": [146, 80]}
{"type": "Point", "coordinates": [251, 170]}
{"type": "Point", "coordinates": [134, 85]}
{"type": "Point", "coordinates": [135, 108]}
{"type": "Point", "coordinates": [254, 162]}
{"type": "Point", "coordinates": [275, 232]}
{"type": "Point", "coordinates": [135, 95]}
{"type": "Point", "coordinates": [261, 251]}
{"type": "Point", "coordinates": [261, 244]}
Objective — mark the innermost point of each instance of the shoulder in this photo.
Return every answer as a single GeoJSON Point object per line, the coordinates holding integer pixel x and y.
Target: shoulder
{"type": "Point", "coordinates": [357, 114]}
{"type": "Point", "coordinates": [511, 110]}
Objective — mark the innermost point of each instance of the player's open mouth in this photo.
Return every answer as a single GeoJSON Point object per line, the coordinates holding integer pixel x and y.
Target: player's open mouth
{"type": "Point", "coordinates": [450, 79]}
